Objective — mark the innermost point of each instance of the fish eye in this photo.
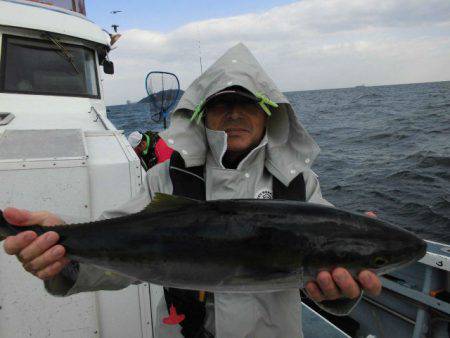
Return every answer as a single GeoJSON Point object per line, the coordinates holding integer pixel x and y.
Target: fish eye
{"type": "Point", "coordinates": [379, 261]}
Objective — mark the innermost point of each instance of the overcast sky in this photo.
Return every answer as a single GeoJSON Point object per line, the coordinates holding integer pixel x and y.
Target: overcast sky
{"type": "Point", "coordinates": [310, 44]}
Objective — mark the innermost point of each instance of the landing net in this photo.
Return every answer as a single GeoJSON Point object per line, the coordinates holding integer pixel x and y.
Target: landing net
{"type": "Point", "coordinates": [163, 89]}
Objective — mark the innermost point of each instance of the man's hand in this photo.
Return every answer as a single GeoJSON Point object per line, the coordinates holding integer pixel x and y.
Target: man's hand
{"type": "Point", "coordinates": [340, 283]}
{"type": "Point", "coordinates": [39, 255]}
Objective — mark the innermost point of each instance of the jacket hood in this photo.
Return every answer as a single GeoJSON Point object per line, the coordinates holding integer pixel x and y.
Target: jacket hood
{"type": "Point", "coordinates": [290, 149]}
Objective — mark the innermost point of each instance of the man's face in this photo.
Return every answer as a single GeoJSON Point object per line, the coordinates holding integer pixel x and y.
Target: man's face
{"type": "Point", "coordinates": [242, 119]}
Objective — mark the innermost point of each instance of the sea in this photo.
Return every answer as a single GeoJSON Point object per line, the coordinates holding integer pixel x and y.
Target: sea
{"type": "Point", "coordinates": [384, 149]}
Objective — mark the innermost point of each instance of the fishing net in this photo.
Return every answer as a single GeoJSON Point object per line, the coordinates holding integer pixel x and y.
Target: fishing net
{"type": "Point", "coordinates": [163, 89]}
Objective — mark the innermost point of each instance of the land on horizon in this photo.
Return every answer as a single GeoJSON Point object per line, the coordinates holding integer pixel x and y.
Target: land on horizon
{"type": "Point", "coordinates": [146, 99]}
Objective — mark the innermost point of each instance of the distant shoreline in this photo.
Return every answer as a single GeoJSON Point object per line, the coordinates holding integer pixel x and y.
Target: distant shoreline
{"type": "Point", "coordinates": [144, 100]}
{"type": "Point", "coordinates": [367, 86]}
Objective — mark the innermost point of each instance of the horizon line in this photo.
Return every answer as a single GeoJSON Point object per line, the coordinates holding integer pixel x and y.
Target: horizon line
{"type": "Point", "coordinates": [318, 89]}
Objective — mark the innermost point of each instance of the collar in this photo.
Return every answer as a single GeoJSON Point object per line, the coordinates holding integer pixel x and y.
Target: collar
{"type": "Point", "coordinates": [217, 141]}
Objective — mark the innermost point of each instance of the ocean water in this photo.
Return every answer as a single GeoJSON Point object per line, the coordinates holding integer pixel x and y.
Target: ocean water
{"type": "Point", "coordinates": [385, 149]}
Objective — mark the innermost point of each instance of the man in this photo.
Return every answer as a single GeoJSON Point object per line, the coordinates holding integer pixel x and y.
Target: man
{"type": "Point", "coordinates": [235, 136]}
{"type": "Point", "coordinates": [150, 148]}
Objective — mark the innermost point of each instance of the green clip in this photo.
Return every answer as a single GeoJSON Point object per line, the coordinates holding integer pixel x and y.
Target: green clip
{"type": "Point", "coordinates": [198, 113]}
{"type": "Point", "coordinates": [264, 101]}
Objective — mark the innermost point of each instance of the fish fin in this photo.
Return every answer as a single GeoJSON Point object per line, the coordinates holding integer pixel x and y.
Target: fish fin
{"type": "Point", "coordinates": [163, 202]}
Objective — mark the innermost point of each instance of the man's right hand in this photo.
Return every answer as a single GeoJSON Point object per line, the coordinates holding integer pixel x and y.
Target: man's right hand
{"type": "Point", "coordinates": [39, 255]}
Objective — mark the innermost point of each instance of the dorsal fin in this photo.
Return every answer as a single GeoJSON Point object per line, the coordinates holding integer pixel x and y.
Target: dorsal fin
{"type": "Point", "coordinates": [165, 202]}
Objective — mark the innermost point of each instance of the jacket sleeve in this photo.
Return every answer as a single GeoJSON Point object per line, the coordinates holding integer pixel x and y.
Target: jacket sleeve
{"type": "Point", "coordinates": [76, 278]}
{"type": "Point", "coordinates": [343, 306]}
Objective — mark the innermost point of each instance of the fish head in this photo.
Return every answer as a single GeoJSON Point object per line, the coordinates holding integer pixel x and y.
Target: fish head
{"type": "Point", "coordinates": [372, 244]}
{"type": "Point", "coordinates": [388, 247]}
{"type": "Point", "coordinates": [384, 261]}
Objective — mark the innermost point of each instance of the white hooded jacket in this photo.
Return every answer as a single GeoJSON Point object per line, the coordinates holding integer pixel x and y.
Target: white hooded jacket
{"type": "Point", "coordinates": [286, 151]}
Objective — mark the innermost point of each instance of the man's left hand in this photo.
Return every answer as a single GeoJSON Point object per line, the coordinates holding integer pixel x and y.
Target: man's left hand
{"type": "Point", "coordinates": [340, 283]}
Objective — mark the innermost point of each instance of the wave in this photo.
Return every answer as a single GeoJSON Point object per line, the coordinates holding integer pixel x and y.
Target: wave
{"type": "Point", "coordinates": [443, 203]}
{"type": "Point", "coordinates": [439, 106]}
{"type": "Point", "coordinates": [366, 96]}
{"type": "Point", "coordinates": [384, 196]}
{"type": "Point", "coordinates": [427, 159]}
{"type": "Point", "coordinates": [410, 175]}
{"type": "Point", "coordinates": [438, 131]}
{"type": "Point", "coordinates": [428, 214]}
{"type": "Point", "coordinates": [325, 111]}
{"type": "Point", "coordinates": [443, 174]}
{"type": "Point", "coordinates": [392, 136]}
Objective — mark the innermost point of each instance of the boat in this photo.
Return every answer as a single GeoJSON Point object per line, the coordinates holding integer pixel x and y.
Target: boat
{"type": "Point", "coordinates": [60, 152]}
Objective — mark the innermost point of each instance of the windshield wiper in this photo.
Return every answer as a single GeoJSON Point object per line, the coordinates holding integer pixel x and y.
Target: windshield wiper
{"type": "Point", "coordinates": [64, 52]}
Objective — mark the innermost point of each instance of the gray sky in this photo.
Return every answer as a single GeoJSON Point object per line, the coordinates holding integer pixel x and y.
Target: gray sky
{"type": "Point", "coordinates": [310, 44]}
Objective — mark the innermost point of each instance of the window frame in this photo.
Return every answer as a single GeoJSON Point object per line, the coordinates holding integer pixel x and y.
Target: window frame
{"type": "Point", "coordinates": [3, 63]}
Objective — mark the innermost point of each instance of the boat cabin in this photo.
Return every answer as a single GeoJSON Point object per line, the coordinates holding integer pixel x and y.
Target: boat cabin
{"type": "Point", "coordinates": [59, 152]}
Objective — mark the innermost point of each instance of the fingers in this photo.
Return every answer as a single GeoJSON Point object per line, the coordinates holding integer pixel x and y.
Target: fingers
{"type": "Point", "coordinates": [345, 282]}
{"type": "Point", "coordinates": [49, 264]}
{"type": "Point", "coordinates": [39, 255]}
{"type": "Point", "coordinates": [314, 292]}
{"type": "Point", "coordinates": [323, 288]}
{"type": "Point", "coordinates": [18, 245]}
{"type": "Point", "coordinates": [22, 217]}
{"type": "Point", "coordinates": [370, 282]}
{"type": "Point", "coordinates": [340, 283]}
{"type": "Point", "coordinates": [332, 286]}
{"type": "Point", "coordinates": [46, 259]}
{"type": "Point", "coordinates": [328, 286]}
{"type": "Point", "coordinates": [53, 269]}
{"type": "Point", "coordinates": [38, 247]}
{"type": "Point", "coordinates": [14, 244]}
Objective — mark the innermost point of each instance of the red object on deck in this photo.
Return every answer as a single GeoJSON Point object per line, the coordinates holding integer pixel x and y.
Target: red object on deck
{"type": "Point", "coordinates": [162, 151]}
{"type": "Point", "coordinates": [174, 318]}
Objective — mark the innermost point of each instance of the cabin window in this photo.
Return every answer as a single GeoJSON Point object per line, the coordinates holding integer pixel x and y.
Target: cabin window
{"type": "Point", "coordinates": [47, 67]}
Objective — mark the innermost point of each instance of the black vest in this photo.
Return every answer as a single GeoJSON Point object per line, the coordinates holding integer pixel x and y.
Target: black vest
{"type": "Point", "coordinates": [189, 182]}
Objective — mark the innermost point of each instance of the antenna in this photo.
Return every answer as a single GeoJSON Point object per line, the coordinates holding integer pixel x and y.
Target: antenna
{"type": "Point", "coordinates": [200, 57]}
{"type": "Point", "coordinates": [199, 51]}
